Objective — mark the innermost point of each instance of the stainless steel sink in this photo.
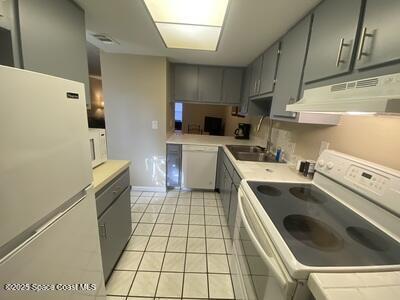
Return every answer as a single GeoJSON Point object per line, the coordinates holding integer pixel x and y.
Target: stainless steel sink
{"type": "Point", "coordinates": [251, 156]}
{"type": "Point", "coordinates": [251, 153]}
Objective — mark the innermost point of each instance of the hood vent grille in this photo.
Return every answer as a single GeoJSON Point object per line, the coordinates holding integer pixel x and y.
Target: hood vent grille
{"type": "Point", "coordinates": [367, 83]}
{"type": "Point", "coordinates": [355, 84]}
{"type": "Point", "coordinates": [338, 87]}
{"type": "Point", "coordinates": [380, 94]}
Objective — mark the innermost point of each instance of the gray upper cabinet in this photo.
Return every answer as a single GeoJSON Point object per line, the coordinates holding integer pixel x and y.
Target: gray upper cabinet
{"type": "Point", "coordinates": [210, 83]}
{"type": "Point", "coordinates": [379, 41]}
{"type": "Point", "coordinates": [186, 83]}
{"type": "Point", "coordinates": [268, 72]}
{"type": "Point", "coordinates": [207, 84]}
{"type": "Point", "coordinates": [244, 98]}
{"type": "Point", "coordinates": [256, 68]}
{"type": "Point", "coordinates": [53, 39]}
{"type": "Point", "coordinates": [332, 41]}
{"type": "Point", "coordinates": [232, 85]}
{"type": "Point", "coordinates": [290, 69]}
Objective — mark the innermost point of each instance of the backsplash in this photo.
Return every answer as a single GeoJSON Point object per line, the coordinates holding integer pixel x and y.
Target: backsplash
{"type": "Point", "coordinates": [374, 138]}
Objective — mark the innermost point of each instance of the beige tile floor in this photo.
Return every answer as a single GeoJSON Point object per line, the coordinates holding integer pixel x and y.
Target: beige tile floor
{"type": "Point", "coordinates": [179, 249]}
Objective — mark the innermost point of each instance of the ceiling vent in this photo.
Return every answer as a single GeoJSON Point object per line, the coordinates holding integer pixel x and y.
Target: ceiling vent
{"type": "Point", "coordinates": [104, 38]}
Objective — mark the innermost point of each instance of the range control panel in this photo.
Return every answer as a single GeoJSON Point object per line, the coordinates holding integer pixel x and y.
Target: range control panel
{"type": "Point", "coordinates": [377, 183]}
{"type": "Point", "coordinates": [367, 179]}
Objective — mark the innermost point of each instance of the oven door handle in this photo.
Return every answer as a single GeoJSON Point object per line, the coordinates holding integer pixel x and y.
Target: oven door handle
{"type": "Point", "coordinates": [269, 259]}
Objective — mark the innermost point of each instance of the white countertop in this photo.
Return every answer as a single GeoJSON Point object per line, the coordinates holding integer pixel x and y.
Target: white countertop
{"type": "Point", "coordinates": [206, 140]}
{"type": "Point", "coordinates": [107, 171]}
{"type": "Point", "coordinates": [261, 171]}
{"type": "Point", "coordinates": [247, 170]}
{"type": "Point", "coordinates": [355, 286]}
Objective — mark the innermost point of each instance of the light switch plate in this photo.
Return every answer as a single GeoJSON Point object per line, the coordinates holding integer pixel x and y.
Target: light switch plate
{"type": "Point", "coordinates": [154, 124]}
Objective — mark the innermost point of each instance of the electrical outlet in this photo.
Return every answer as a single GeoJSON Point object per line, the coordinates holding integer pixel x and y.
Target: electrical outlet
{"type": "Point", "coordinates": [154, 124]}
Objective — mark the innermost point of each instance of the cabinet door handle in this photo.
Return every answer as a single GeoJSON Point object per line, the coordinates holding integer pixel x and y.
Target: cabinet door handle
{"type": "Point", "coordinates": [339, 55]}
{"type": "Point", "coordinates": [103, 231]}
{"type": "Point", "coordinates": [361, 52]}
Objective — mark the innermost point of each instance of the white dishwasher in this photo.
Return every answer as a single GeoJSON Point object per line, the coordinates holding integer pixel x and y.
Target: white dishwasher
{"type": "Point", "coordinates": [199, 166]}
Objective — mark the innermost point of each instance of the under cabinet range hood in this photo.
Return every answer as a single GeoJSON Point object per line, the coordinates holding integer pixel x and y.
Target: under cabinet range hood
{"type": "Point", "coordinates": [372, 95]}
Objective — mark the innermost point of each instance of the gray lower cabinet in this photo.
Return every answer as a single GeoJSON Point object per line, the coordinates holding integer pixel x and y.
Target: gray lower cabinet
{"type": "Point", "coordinates": [53, 39]}
{"type": "Point", "coordinates": [226, 192]}
{"type": "Point", "coordinates": [232, 209]}
{"type": "Point", "coordinates": [232, 85]}
{"type": "Point", "coordinates": [174, 162]}
{"type": "Point", "coordinates": [210, 83]}
{"type": "Point", "coordinates": [229, 181]}
{"type": "Point", "coordinates": [220, 167]}
{"type": "Point", "coordinates": [186, 82]}
{"type": "Point", "coordinates": [268, 71]}
{"type": "Point", "coordinates": [290, 69]}
{"type": "Point", "coordinates": [379, 41]}
{"type": "Point", "coordinates": [114, 219]}
{"type": "Point", "coordinates": [333, 39]}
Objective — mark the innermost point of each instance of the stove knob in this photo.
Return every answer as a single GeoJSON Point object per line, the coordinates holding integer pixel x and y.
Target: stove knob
{"type": "Point", "coordinates": [330, 165]}
{"type": "Point", "coordinates": [321, 163]}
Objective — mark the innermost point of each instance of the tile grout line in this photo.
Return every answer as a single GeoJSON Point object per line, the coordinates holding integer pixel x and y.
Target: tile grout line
{"type": "Point", "coordinates": [165, 251]}
{"type": "Point", "coordinates": [190, 215]}
{"type": "Point", "coordinates": [141, 259]}
{"type": "Point", "coordinates": [205, 239]}
{"type": "Point", "coordinates": [187, 243]}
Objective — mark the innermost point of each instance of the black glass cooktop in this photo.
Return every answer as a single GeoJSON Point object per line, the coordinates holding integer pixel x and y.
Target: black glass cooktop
{"type": "Point", "coordinates": [320, 231]}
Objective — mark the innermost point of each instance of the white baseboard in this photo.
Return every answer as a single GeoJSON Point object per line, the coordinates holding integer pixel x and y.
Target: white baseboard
{"type": "Point", "coordinates": [148, 189]}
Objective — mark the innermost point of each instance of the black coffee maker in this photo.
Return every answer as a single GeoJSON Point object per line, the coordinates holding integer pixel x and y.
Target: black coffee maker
{"type": "Point", "coordinates": [243, 131]}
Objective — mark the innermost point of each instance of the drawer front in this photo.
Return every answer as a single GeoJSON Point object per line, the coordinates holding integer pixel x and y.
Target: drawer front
{"type": "Point", "coordinates": [110, 192]}
{"type": "Point", "coordinates": [114, 231]}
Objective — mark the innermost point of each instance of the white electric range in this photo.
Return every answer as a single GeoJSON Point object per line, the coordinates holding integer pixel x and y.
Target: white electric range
{"type": "Point", "coordinates": [345, 220]}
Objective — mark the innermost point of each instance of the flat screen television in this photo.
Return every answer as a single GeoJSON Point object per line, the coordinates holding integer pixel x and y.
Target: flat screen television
{"type": "Point", "coordinates": [213, 125]}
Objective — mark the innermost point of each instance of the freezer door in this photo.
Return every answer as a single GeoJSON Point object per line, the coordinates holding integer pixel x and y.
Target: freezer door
{"type": "Point", "coordinates": [65, 252]}
{"type": "Point", "coordinates": [44, 153]}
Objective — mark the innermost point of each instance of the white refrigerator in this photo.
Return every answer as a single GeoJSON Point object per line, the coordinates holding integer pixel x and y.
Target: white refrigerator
{"type": "Point", "coordinates": [49, 242]}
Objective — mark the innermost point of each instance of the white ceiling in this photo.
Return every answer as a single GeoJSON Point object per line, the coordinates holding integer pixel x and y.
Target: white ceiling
{"type": "Point", "coordinates": [250, 27]}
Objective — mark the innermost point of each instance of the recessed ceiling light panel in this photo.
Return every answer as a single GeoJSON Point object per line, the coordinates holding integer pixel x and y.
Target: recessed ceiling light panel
{"type": "Point", "coordinates": [189, 24]}
{"type": "Point", "coordinates": [196, 12]}
{"type": "Point", "coordinates": [189, 36]}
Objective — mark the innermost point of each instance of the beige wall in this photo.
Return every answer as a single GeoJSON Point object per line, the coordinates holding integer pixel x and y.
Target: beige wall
{"type": "Point", "coordinates": [135, 94]}
{"type": "Point", "coordinates": [170, 119]}
{"type": "Point", "coordinates": [375, 139]}
{"type": "Point", "coordinates": [195, 113]}
{"type": "Point", "coordinates": [232, 122]}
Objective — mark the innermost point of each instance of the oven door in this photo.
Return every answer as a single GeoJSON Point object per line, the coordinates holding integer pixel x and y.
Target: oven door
{"type": "Point", "coordinates": [258, 273]}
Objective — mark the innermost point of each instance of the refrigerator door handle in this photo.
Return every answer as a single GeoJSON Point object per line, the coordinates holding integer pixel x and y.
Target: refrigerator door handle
{"type": "Point", "coordinates": [28, 237]}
